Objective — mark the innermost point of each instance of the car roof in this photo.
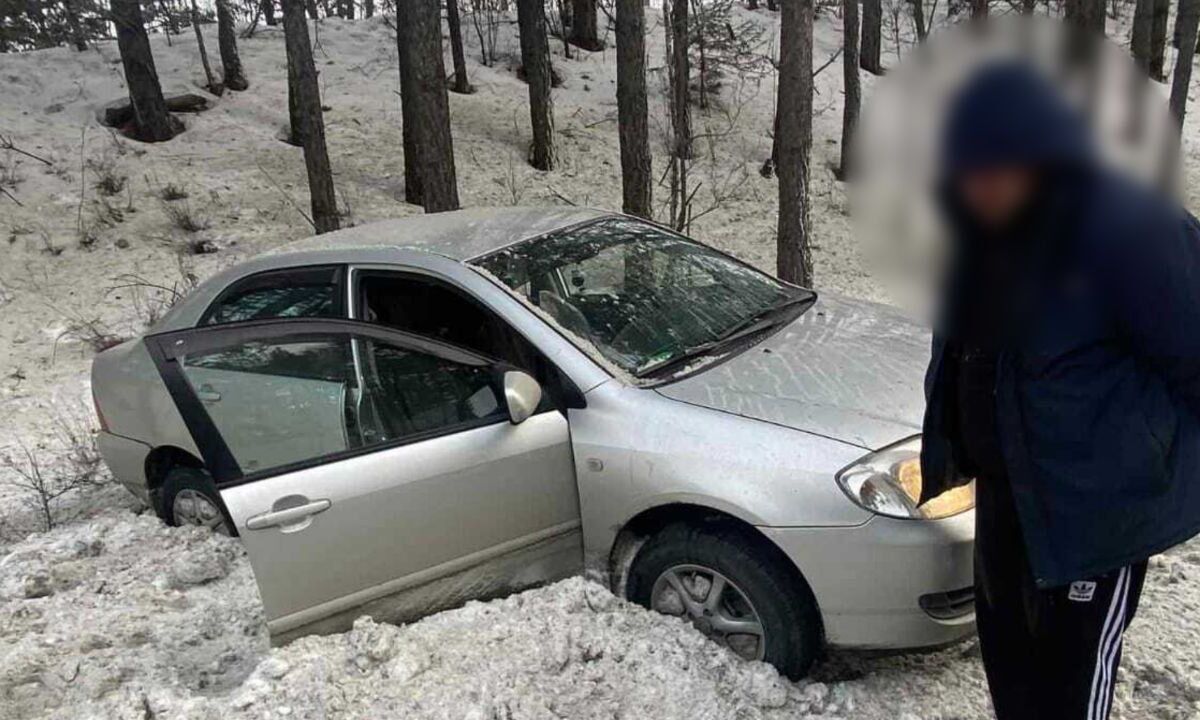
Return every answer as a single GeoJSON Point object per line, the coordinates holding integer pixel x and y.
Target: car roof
{"type": "Point", "coordinates": [459, 235]}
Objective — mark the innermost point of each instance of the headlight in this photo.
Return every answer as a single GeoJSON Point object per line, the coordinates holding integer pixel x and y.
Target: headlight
{"type": "Point", "coordinates": [888, 482]}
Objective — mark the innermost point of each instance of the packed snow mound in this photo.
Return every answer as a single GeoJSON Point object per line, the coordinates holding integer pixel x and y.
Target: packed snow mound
{"type": "Point", "coordinates": [123, 602]}
{"type": "Point", "coordinates": [122, 616]}
{"type": "Point", "coordinates": [119, 616]}
{"type": "Point", "coordinates": [570, 650]}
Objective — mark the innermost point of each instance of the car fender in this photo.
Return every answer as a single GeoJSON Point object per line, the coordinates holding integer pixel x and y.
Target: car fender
{"type": "Point", "coordinates": [635, 450]}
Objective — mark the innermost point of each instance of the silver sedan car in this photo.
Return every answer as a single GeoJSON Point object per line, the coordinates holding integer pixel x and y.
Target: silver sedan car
{"type": "Point", "coordinates": [402, 416]}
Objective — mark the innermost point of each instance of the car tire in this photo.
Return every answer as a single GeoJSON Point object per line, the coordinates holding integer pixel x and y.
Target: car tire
{"type": "Point", "coordinates": [758, 573]}
{"type": "Point", "coordinates": [189, 497]}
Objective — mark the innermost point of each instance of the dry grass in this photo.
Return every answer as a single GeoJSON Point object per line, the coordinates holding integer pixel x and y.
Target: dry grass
{"type": "Point", "coordinates": [45, 473]}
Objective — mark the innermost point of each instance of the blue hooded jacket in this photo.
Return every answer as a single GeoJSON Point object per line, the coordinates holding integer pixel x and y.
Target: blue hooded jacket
{"type": "Point", "coordinates": [1098, 391]}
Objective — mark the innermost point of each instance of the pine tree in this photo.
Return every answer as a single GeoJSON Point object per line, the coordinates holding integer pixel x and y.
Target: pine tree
{"type": "Point", "coordinates": [152, 122]}
{"type": "Point", "coordinates": [794, 119]}
{"type": "Point", "coordinates": [306, 98]}
{"type": "Point", "coordinates": [535, 58]}
{"type": "Point", "coordinates": [408, 113]}
{"type": "Point", "coordinates": [231, 63]}
{"type": "Point", "coordinates": [1086, 15]}
{"type": "Point", "coordinates": [584, 26]}
{"type": "Point", "coordinates": [213, 85]}
{"type": "Point", "coordinates": [1186, 20]}
{"type": "Point", "coordinates": [632, 123]}
{"type": "Point", "coordinates": [853, 88]}
{"type": "Point", "coordinates": [422, 31]}
{"type": "Point", "coordinates": [1158, 39]}
{"type": "Point", "coordinates": [460, 84]}
{"type": "Point", "coordinates": [872, 37]}
{"type": "Point", "coordinates": [1139, 37]}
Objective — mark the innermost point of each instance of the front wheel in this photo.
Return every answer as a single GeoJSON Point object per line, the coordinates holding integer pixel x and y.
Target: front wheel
{"type": "Point", "coordinates": [190, 498]}
{"type": "Point", "coordinates": [735, 588]}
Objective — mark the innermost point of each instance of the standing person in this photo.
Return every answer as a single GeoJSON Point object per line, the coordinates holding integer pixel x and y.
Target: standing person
{"type": "Point", "coordinates": [1065, 379]}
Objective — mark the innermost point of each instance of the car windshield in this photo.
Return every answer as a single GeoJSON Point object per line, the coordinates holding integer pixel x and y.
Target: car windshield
{"type": "Point", "coordinates": [646, 299]}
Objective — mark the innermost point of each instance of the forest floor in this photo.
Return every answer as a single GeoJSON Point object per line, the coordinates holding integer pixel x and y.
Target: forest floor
{"type": "Point", "coordinates": [112, 614]}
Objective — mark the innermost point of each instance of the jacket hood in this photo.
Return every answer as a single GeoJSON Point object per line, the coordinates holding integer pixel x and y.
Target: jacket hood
{"type": "Point", "coordinates": [846, 369]}
{"type": "Point", "coordinates": [1009, 114]}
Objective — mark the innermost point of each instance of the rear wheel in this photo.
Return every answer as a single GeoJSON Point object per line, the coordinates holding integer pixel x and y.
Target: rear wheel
{"type": "Point", "coordinates": [190, 498]}
{"type": "Point", "coordinates": [733, 587]}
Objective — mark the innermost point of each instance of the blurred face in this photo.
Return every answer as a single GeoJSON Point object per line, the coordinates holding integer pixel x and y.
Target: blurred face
{"type": "Point", "coordinates": [995, 196]}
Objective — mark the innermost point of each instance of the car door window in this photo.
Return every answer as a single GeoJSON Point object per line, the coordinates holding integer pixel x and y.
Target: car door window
{"type": "Point", "coordinates": [409, 394]}
{"type": "Point", "coordinates": [277, 402]}
{"type": "Point", "coordinates": [300, 292]}
{"type": "Point", "coordinates": [284, 401]}
{"type": "Point", "coordinates": [429, 307]}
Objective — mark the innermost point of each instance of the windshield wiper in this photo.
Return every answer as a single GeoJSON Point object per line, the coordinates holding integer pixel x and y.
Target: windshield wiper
{"type": "Point", "coordinates": [768, 315]}
{"type": "Point", "coordinates": [765, 319]}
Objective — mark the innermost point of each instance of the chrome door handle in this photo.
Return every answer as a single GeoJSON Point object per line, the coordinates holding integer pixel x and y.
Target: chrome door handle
{"type": "Point", "coordinates": [287, 516]}
{"type": "Point", "coordinates": [207, 394]}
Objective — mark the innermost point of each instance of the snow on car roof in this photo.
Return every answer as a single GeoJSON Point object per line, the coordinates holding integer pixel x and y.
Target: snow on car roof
{"type": "Point", "coordinates": [460, 235]}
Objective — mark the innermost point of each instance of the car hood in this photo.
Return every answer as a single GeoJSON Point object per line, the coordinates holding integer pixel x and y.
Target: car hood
{"type": "Point", "coordinates": [847, 369]}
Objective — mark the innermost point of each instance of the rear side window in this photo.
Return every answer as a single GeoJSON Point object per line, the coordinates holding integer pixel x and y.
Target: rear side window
{"type": "Point", "coordinates": [312, 292]}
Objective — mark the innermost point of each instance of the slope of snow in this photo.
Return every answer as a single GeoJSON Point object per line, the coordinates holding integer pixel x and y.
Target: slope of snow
{"type": "Point", "coordinates": [114, 615]}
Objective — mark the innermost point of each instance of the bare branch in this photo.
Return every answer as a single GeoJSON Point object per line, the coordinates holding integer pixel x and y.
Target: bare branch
{"type": "Point", "coordinates": [6, 143]}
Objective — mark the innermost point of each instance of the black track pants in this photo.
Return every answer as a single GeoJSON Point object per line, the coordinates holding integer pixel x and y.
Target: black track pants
{"type": "Point", "coordinates": [1049, 654]}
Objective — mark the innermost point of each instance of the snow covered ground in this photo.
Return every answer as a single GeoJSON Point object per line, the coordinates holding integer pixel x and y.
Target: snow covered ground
{"type": "Point", "coordinates": [112, 614]}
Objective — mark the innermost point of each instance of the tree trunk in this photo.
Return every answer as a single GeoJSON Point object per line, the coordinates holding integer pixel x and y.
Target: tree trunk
{"type": "Point", "coordinates": [152, 123]}
{"type": "Point", "coordinates": [1139, 36]}
{"type": "Point", "coordinates": [1186, 20]}
{"type": "Point", "coordinates": [307, 100]}
{"type": "Point", "coordinates": [408, 109]}
{"type": "Point", "coordinates": [73, 25]}
{"type": "Point", "coordinates": [697, 38]}
{"type": "Point", "coordinates": [851, 84]}
{"type": "Point", "coordinates": [584, 32]}
{"type": "Point", "coordinates": [632, 112]}
{"type": "Point", "coordinates": [870, 58]}
{"type": "Point", "coordinates": [422, 31]}
{"type": "Point", "coordinates": [1028, 6]}
{"type": "Point", "coordinates": [295, 122]}
{"type": "Point", "coordinates": [1086, 15]}
{"type": "Point", "coordinates": [368, 8]}
{"type": "Point", "coordinates": [918, 13]}
{"type": "Point", "coordinates": [772, 5]}
{"type": "Point", "coordinates": [213, 87]}
{"type": "Point", "coordinates": [311, 6]}
{"type": "Point", "coordinates": [794, 259]}
{"type": "Point", "coordinates": [168, 20]}
{"type": "Point", "coordinates": [535, 58]}
{"type": "Point", "coordinates": [564, 23]}
{"type": "Point", "coordinates": [235, 77]}
{"type": "Point", "coordinates": [268, 10]}
{"type": "Point", "coordinates": [1158, 39]}
{"type": "Point", "coordinates": [680, 75]}
{"type": "Point", "coordinates": [752, 5]}
{"type": "Point", "coordinates": [979, 9]}
{"type": "Point", "coordinates": [460, 84]}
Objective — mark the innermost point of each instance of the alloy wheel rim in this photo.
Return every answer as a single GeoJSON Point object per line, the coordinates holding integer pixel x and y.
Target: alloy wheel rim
{"type": "Point", "coordinates": [192, 507]}
{"type": "Point", "coordinates": [714, 604]}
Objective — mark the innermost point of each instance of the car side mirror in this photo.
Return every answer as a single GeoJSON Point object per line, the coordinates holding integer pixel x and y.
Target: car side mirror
{"type": "Point", "coordinates": [522, 394]}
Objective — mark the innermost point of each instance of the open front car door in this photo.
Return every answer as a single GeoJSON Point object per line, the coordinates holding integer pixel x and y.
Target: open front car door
{"type": "Point", "coordinates": [358, 462]}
